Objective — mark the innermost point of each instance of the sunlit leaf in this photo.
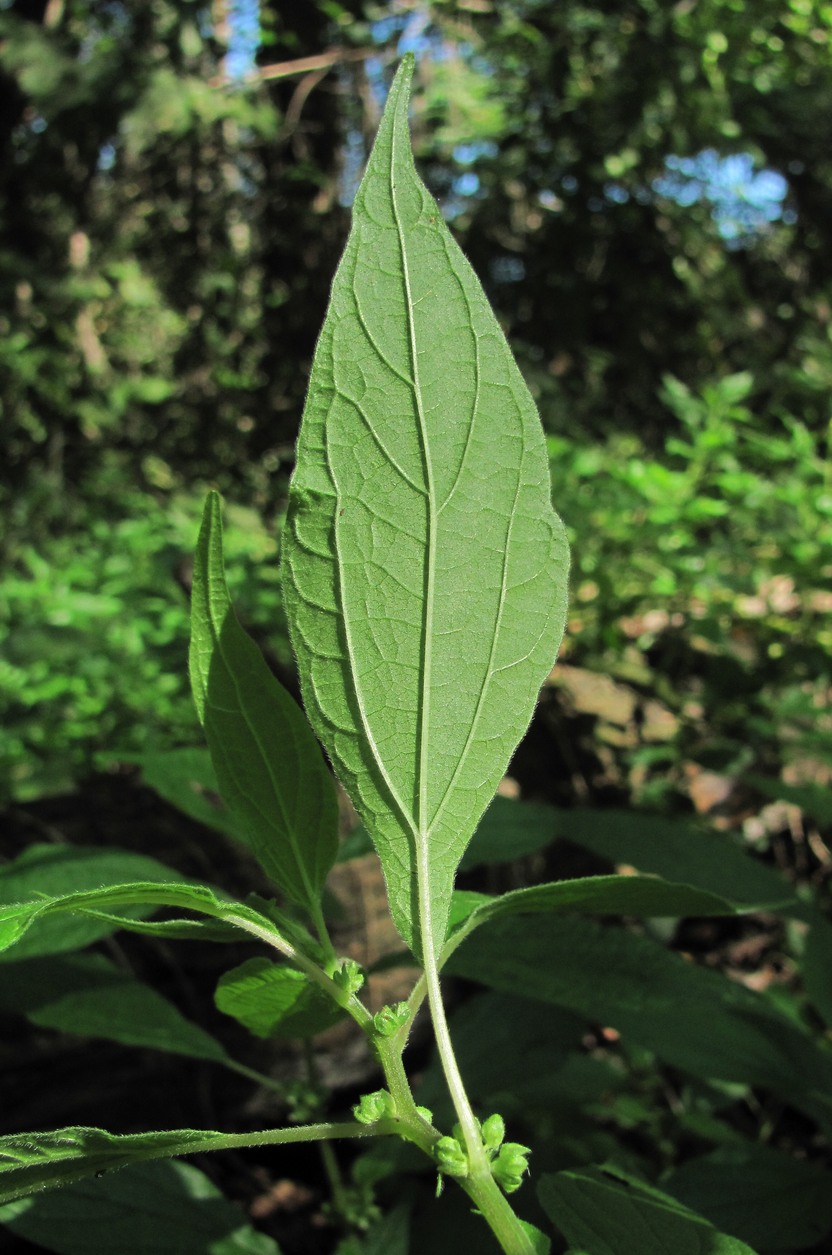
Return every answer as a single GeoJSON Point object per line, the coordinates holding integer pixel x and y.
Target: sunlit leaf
{"type": "Point", "coordinates": [269, 767]}
{"type": "Point", "coordinates": [425, 571]}
{"type": "Point", "coordinates": [273, 1000]}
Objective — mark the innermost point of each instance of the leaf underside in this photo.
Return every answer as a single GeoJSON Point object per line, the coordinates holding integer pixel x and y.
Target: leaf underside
{"type": "Point", "coordinates": [424, 568]}
{"type": "Point", "coordinates": [270, 770]}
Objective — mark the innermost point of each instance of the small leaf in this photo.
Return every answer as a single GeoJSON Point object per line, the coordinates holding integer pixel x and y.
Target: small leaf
{"type": "Point", "coordinates": [273, 1000]}
{"type": "Point", "coordinates": [88, 995]}
{"type": "Point", "coordinates": [269, 767]}
{"type": "Point", "coordinates": [424, 569]}
{"type": "Point", "coordinates": [154, 1209]}
{"type": "Point", "coordinates": [605, 1212]}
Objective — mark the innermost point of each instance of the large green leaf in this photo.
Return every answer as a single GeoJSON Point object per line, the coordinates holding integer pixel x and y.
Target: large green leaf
{"type": "Point", "coordinates": [269, 767]}
{"type": "Point", "coordinates": [425, 571]}
{"type": "Point", "coordinates": [89, 995]}
{"type": "Point", "coordinates": [154, 1209]}
{"type": "Point", "coordinates": [603, 1212]}
{"type": "Point", "coordinates": [690, 1017]}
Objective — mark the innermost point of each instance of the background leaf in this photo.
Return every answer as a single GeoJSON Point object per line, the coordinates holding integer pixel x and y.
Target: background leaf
{"type": "Point", "coordinates": [268, 764]}
{"type": "Point", "coordinates": [608, 1216]}
{"type": "Point", "coordinates": [154, 1209]}
{"type": "Point", "coordinates": [816, 966]}
{"type": "Point", "coordinates": [273, 1000]}
{"type": "Point", "coordinates": [88, 995]}
{"type": "Point", "coordinates": [690, 1017]}
{"type": "Point", "coordinates": [185, 777]}
{"type": "Point", "coordinates": [677, 849]}
{"type": "Point", "coordinates": [769, 1199]}
{"type": "Point", "coordinates": [424, 568]}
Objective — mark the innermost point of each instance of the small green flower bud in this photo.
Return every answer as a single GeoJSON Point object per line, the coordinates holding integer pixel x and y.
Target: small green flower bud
{"type": "Point", "coordinates": [349, 976]}
{"type": "Point", "coordinates": [450, 1157]}
{"type": "Point", "coordinates": [493, 1132]}
{"type": "Point", "coordinates": [426, 1114]}
{"type": "Point", "coordinates": [389, 1020]}
{"type": "Point", "coordinates": [374, 1107]}
{"type": "Point", "coordinates": [509, 1166]}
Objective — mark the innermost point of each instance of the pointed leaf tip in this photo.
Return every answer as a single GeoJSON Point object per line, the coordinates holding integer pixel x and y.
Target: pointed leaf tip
{"type": "Point", "coordinates": [425, 570]}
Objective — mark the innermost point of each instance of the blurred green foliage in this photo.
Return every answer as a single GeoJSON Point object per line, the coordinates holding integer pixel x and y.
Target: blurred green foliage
{"type": "Point", "coordinates": [172, 205]}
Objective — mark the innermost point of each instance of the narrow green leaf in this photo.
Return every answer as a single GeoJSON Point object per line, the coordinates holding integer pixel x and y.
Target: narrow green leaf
{"type": "Point", "coordinates": [605, 1212]}
{"type": "Point", "coordinates": [642, 896]}
{"type": "Point", "coordinates": [17, 918]}
{"type": "Point", "coordinates": [88, 995]}
{"type": "Point", "coordinates": [425, 572]}
{"type": "Point", "coordinates": [154, 1209]}
{"type": "Point", "coordinates": [35, 1161]}
{"type": "Point", "coordinates": [55, 871]}
{"type": "Point", "coordinates": [761, 1195]}
{"type": "Point", "coordinates": [679, 850]}
{"type": "Point", "coordinates": [270, 770]}
{"type": "Point", "coordinates": [273, 1000]}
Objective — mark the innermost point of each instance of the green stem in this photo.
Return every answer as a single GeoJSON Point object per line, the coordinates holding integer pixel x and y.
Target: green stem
{"type": "Point", "coordinates": [477, 1159]}
{"type": "Point", "coordinates": [252, 1075]}
{"type": "Point", "coordinates": [498, 1213]}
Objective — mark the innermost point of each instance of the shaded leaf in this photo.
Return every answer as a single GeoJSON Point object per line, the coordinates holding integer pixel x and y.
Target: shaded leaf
{"type": "Point", "coordinates": [758, 1194]}
{"type": "Point", "coordinates": [185, 777]}
{"type": "Point", "coordinates": [690, 1017]}
{"type": "Point", "coordinates": [269, 767]}
{"type": "Point", "coordinates": [605, 1212]}
{"type": "Point", "coordinates": [154, 1209]}
{"type": "Point", "coordinates": [424, 569]}
{"type": "Point", "coordinates": [816, 967]}
{"type": "Point", "coordinates": [679, 850]}
{"type": "Point", "coordinates": [88, 995]}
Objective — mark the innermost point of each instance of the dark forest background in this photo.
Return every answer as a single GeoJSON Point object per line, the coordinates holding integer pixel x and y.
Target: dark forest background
{"type": "Point", "coordinates": [645, 190]}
